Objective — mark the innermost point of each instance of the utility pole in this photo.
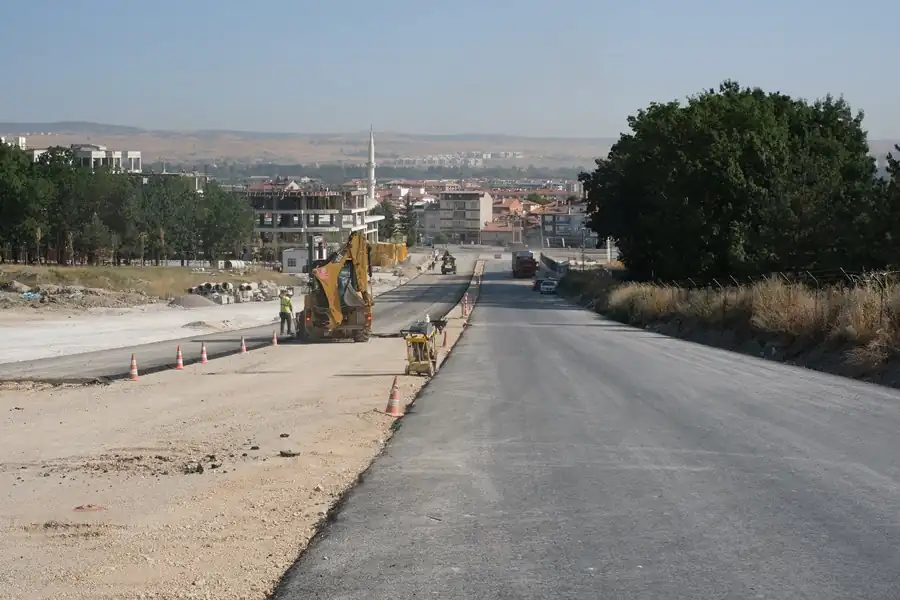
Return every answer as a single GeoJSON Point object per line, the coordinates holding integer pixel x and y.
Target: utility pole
{"type": "Point", "coordinates": [583, 231]}
{"type": "Point", "coordinates": [541, 219]}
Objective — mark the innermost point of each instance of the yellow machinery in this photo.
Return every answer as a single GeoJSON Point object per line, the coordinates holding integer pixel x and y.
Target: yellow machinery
{"type": "Point", "coordinates": [422, 347]}
{"type": "Point", "coordinates": [339, 302]}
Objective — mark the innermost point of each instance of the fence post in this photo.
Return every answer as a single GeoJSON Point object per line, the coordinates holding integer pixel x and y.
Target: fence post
{"type": "Point", "coordinates": [816, 296]}
{"type": "Point", "coordinates": [724, 300]}
{"type": "Point", "coordinates": [879, 277]}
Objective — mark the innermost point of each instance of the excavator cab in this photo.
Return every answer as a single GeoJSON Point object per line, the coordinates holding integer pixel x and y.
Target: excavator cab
{"type": "Point", "coordinates": [339, 301]}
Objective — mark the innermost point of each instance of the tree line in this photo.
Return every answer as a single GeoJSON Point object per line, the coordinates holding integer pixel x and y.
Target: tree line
{"type": "Point", "coordinates": [738, 181]}
{"type": "Point", "coordinates": [55, 211]}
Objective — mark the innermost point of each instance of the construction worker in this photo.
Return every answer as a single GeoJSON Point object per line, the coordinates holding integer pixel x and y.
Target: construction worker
{"type": "Point", "coordinates": [287, 312]}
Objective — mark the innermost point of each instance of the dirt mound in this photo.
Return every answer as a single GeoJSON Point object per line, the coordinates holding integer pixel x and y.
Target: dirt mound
{"type": "Point", "coordinates": [192, 301]}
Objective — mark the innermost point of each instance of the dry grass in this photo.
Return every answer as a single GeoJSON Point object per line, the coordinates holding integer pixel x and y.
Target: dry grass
{"type": "Point", "coordinates": [161, 282]}
{"type": "Point", "coordinates": [866, 318]}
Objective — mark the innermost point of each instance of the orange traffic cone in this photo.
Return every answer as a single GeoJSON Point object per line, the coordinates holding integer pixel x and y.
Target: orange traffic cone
{"type": "Point", "coordinates": [179, 359]}
{"type": "Point", "coordinates": [274, 339]}
{"type": "Point", "coordinates": [243, 346]}
{"type": "Point", "coordinates": [133, 374]}
{"type": "Point", "coordinates": [393, 406]}
{"type": "Point", "coordinates": [203, 358]}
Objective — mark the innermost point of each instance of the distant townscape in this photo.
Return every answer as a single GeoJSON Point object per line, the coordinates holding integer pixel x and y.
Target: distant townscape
{"type": "Point", "coordinates": [429, 199]}
{"type": "Point", "coordinates": [271, 213]}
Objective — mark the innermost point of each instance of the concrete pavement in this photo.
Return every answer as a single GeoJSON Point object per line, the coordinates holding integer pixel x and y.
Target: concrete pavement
{"type": "Point", "coordinates": [394, 309]}
{"type": "Point", "coordinates": [559, 455]}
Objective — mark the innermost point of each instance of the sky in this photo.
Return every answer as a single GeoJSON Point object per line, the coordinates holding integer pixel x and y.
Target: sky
{"type": "Point", "coordinates": [565, 68]}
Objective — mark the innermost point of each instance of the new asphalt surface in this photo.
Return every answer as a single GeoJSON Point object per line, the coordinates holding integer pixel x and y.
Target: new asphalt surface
{"type": "Point", "coordinates": [560, 456]}
{"type": "Point", "coordinates": [434, 294]}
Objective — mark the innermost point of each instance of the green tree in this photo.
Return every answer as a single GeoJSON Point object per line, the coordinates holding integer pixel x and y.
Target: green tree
{"type": "Point", "coordinates": [387, 227]}
{"type": "Point", "coordinates": [24, 200]}
{"type": "Point", "coordinates": [88, 215]}
{"type": "Point", "coordinates": [68, 211]}
{"type": "Point", "coordinates": [409, 223]}
{"type": "Point", "coordinates": [225, 222]}
{"type": "Point", "coordinates": [738, 181]}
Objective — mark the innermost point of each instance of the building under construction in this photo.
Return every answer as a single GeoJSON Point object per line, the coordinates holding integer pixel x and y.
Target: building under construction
{"type": "Point", "coordinates": [307, 213]}
{"type": "Point", "coordinates": [291, 214]}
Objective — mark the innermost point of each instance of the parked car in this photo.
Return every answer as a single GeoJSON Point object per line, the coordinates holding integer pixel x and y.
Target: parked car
{"type": "Point", "coordinates": [548, 286]}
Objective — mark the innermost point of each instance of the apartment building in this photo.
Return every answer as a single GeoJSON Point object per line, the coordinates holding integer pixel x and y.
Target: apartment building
{"type": "Point", "coordinates": [464, 213]}
{"type": "Point", "coordinates": [569, 228]}
{"type": "Point", "coordinates": [18, 142]}
{"type": "Point", "coordinates": [288, 211]}
{"type": "Point", "coordinates": [95, 156]}
{"type": "Point", "coordinates": [429, 218]}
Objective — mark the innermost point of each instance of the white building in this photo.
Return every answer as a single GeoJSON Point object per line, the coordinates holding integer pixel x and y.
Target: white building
{"type": "Point", "coordinates": [295, 260]}
{"type": "Point", "coordinates": [18, 142]}
{"type": "Point", "coordinates": [96, 156]}
{"type": "Point", "coordinates": [464, 213]}
{"type": "Point", "coordinates": [93, 156]}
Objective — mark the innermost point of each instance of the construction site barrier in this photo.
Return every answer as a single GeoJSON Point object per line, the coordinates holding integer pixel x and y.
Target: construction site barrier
{"type": "Point", "coordinates": [388, 254]}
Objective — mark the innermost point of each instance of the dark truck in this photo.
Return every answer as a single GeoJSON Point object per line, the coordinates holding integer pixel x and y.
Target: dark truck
{"type": "Point", "coordinates": [524, 264]}
{"type": "Point", "coordinates": [448, 264]}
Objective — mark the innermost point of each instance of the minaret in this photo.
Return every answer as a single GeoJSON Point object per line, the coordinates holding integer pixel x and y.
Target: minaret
{"type": "Point", "coordinates": [370, 190]}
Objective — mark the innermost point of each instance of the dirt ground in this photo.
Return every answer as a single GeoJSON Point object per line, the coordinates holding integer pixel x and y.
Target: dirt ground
{"type": "Point", "coordinates": [70, 291]}
{"type": "Point", "coordinates": [204, 483]}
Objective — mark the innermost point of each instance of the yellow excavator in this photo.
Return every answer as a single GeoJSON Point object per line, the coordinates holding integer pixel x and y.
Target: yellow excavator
{"type": "Point", "coordinates": [339, 302]}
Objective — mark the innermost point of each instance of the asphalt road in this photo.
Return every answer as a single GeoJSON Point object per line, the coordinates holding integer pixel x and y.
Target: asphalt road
{"type": "Point", "coordinates": [434, 294]}
{"type": "Point", "coordinates": [557, 455]}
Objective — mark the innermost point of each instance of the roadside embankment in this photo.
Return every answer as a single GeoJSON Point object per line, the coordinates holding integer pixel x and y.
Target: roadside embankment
{"type": "Point", "coordinates": [853, 332]}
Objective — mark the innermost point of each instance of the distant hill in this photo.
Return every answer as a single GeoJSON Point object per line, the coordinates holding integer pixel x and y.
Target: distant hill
{"type": "Point", "coordinates": [226, 146]}
{"type": "Point", "coordinates": [87, 127]}
{"type": "Point", "coordinates": [67, 127]}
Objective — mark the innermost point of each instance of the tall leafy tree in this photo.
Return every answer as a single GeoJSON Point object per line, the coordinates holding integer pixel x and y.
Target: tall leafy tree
{"type": "Point", "coordinates": [24, 202]}
{"type": "Point", "coordinates": [387, 227]}
{"type": "Point", "coordinates": [737, 180]}
{"type": "Point", "coordinates": [409, 223]}
{"type": "Point", "coordinates": [225, 222]}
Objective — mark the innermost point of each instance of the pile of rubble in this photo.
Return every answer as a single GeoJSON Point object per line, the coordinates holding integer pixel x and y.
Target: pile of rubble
{"type": "Point", "coordinates": [14, 293]}
{"type": "Point", "coordinates": [228, 293]}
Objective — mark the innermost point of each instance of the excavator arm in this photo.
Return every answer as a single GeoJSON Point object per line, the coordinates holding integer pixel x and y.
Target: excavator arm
{"type": "Point", "coordinates": [358, 252]}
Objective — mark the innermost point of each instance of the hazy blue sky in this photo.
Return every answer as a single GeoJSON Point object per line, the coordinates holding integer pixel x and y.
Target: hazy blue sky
{"type": "Point", "coordinates": [560, 68]}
